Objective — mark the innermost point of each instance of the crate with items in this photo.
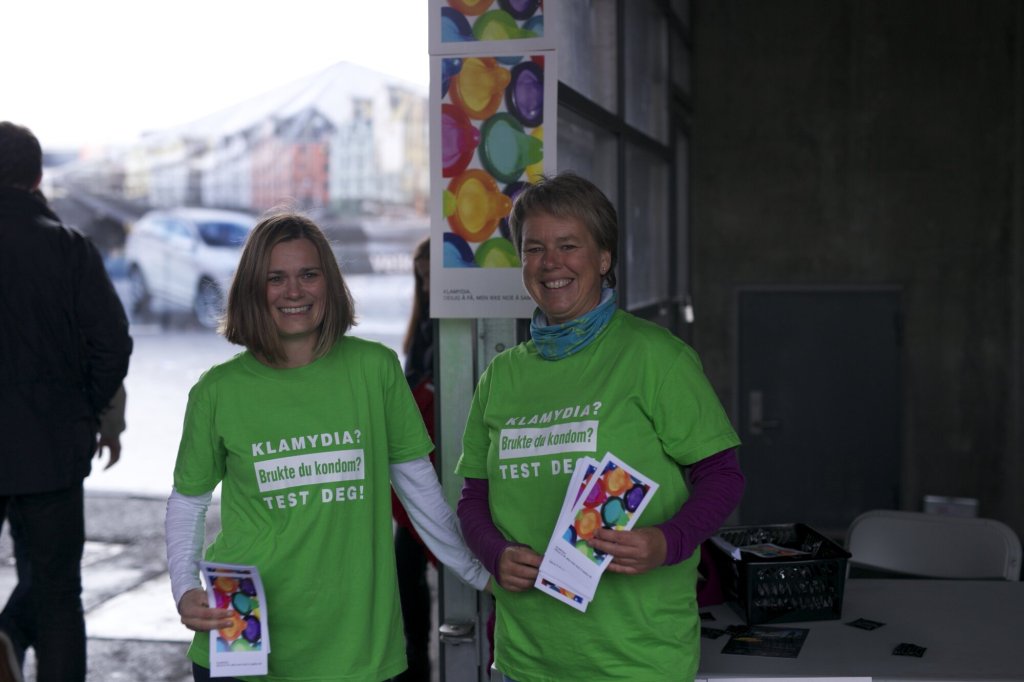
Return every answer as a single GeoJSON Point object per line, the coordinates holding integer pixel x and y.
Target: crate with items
{"type": "Point", "coordinates": [780, 573]}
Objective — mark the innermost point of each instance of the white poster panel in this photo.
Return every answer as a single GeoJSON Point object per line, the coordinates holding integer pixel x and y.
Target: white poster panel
{"type": "Point", "coordinates": [482, 26]}
{"type": "Point", "coordinates": [489, 118]}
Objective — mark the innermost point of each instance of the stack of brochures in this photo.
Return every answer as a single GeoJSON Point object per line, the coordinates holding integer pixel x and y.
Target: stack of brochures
{"type": "Point", "coordinates": [605, 494]}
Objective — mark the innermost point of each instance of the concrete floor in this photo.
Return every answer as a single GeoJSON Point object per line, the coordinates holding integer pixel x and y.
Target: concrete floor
{"type": "Point", "coordinates": [131, 623]}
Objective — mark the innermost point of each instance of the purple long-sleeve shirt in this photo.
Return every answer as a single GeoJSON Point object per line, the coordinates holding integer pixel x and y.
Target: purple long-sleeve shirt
{"type": "Point", "coordinates": [716, 486]}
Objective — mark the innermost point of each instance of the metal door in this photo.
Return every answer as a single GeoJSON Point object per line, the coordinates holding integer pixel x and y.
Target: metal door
{"type": "Point", "coordinates": [819, 404]}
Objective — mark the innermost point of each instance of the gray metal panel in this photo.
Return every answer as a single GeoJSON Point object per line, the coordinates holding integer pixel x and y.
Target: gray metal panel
{"type": "Point", "coordinates": [465, 349]}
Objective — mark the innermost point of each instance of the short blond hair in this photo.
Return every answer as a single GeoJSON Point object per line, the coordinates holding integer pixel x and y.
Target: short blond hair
{"type": "Point", "coordinates": [568, 195]}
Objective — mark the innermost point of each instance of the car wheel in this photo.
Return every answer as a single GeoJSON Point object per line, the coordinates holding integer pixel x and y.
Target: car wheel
{"type": "Point", "coordinates": [209, 304]}
{"type": "Point", "coordinates": [138, 292]}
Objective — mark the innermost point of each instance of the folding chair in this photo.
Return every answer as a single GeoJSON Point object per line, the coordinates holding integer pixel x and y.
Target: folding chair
{"type": "Point", "coordinates": [933, 546]}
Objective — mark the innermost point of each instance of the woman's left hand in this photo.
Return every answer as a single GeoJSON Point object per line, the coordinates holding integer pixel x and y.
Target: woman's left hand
{"type": "Point", "coordinates": [633, 551]}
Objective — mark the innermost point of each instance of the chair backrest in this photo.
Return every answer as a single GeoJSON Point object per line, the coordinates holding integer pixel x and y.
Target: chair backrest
{"type": "Point", "coordinates": [933, 545]}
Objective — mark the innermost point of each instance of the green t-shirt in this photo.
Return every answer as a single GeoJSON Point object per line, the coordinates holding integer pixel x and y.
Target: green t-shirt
{"type": "Point", "coordinates": [303, 455]}
{"type": "Point", "coordinates": [635, 391]}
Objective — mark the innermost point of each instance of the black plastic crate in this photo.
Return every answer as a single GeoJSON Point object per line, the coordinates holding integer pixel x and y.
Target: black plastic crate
{"type": "Point", "coordinates": [783, 589]}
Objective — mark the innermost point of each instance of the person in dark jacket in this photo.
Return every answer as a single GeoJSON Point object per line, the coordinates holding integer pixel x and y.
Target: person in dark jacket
{"type": "Point", "coordinates": [17, 621]}
{"type": "Point", "coordinates": [64, 349]}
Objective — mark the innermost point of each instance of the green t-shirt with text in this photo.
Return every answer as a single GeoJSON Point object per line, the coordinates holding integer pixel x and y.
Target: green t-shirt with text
{"type": "Point", "coordinates": [635, 391]}
{"type": "Point", "coordinates": [303, 455]}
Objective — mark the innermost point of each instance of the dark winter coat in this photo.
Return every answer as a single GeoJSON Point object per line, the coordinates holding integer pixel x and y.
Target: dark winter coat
{"type": "Point", "coordinates": [64, 347]}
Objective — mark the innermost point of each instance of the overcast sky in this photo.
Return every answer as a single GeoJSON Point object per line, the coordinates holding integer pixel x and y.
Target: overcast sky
{"type": "Point", "coordinates": [94, 72]}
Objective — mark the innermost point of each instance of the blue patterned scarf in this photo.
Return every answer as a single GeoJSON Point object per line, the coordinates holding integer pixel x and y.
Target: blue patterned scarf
{"type": "Point", "coordinates": [557, 341]}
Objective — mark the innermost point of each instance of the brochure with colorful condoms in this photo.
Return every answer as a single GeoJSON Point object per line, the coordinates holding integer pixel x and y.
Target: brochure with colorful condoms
{"type": "Point", "coordinates": [585, 468]}
{"type": "Point", "coordinates": [241, 648]}
{"type": "Point", "coordinates": [613, 495]}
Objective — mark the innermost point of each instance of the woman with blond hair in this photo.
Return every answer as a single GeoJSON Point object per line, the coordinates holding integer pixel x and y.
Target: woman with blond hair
{"type": "Point", "coordinates": [647, 401]}
{"type": "Point", "coordinates": [305, 431]}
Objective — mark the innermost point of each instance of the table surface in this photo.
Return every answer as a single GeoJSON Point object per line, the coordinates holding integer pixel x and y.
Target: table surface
{"type": "Point", "coordinates": [972, 629]}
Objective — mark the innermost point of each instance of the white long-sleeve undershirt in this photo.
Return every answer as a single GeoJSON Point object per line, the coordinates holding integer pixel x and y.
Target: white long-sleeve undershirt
{"type": "Point", "coordinates": [185, 534]}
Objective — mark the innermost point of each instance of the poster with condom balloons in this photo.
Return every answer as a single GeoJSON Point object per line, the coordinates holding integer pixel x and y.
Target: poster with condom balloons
{"type": "Point", "coordinates": [492, 104]}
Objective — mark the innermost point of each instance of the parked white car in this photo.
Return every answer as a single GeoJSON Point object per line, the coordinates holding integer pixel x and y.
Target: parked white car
{"type": "Point", "coordinates": [184, 259]}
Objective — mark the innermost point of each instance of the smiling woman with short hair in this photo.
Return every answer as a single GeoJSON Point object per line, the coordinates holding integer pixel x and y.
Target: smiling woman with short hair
{"type": "Point", "coordinates": [647, 401]}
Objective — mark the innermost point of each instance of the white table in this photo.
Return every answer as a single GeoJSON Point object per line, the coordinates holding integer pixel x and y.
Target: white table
{"type": "Point", "coordinates": [972, 629]}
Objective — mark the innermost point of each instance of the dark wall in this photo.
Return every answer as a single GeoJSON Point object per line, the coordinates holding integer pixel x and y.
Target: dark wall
{"type": "Point", "coordinates": [875, 142]}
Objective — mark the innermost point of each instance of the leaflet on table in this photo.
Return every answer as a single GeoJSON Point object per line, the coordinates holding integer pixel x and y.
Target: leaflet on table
{"type": "Point", "coordinates": [242, 648]}
{"type": "Point", "coordinates": [613, 496]}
